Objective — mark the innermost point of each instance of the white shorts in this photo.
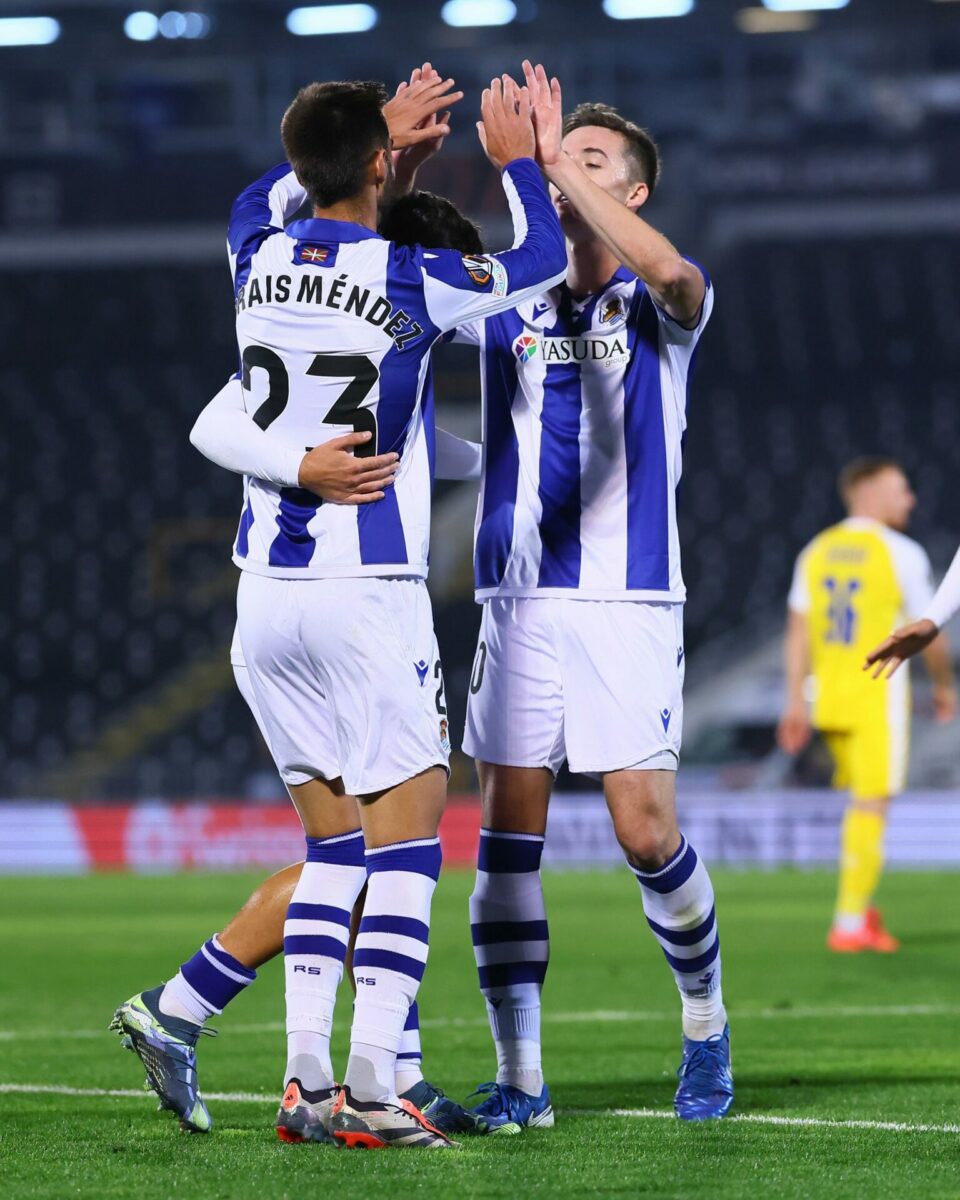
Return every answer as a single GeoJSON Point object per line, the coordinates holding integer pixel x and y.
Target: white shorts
{"type": "Point", "coordinates": [596, 682]}
{"type": "Point", "coordinates": [345, 677]}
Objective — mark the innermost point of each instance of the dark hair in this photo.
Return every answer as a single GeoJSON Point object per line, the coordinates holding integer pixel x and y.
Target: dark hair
{"type": "Point", "coordinates": [330, 132]}
{"type": "Point", "coordinates": [641, 150]}
{"type": "Point", "coordinates": [423, 219]}
{"type": "Point", "coordinates": [863, 468]}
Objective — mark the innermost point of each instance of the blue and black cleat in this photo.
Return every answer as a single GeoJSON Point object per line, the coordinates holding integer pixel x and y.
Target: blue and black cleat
{"type": "Point", "coordinates": [167, 1047]}
{"type": "Point", "coordinates": [446, 1114]}
{"type": "Point", "coordinates": [706, 1079]}
{"type": "Point", "coordinates": [509, 1110]}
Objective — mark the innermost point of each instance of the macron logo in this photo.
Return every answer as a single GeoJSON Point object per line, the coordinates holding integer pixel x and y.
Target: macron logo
{"type": "Point", "coordinates": [421, 669]}
{"type": "Point", "coordinates": [665, 718]}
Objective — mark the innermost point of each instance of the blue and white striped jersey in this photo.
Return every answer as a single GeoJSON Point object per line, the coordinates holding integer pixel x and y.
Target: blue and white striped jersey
{"type": "Point", "coordinates": [584, 411]}
{"type": "Point", "coordinates": [335, 327]}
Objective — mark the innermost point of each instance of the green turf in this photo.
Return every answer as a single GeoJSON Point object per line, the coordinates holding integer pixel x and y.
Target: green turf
{"type": "Point", "coordinates": [70, 949]}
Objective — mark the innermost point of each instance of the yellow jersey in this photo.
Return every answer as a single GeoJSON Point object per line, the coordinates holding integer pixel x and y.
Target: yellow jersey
{"type": "Point", "coordinates": [855, 582]}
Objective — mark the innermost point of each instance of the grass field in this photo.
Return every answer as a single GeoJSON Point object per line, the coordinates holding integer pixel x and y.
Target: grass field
{"type": "Point", "coordinates": [820, 1043]}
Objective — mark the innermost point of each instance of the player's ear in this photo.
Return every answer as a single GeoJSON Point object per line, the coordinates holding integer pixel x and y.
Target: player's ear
{"type": "Point", "coordinates": [638, 196]}
{"type": "Point", "coordinates": [380, 169]}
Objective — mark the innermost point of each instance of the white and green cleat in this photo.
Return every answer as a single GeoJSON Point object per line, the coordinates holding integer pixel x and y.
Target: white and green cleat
{"type": "Point", "coordinates": [167, 1047]}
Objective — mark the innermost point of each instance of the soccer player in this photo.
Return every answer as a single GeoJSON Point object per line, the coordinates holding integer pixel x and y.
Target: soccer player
{"type": "Point", "coordinates": [852, 583]}
{"type": "Point", "coordinates": [580, 656]}
{"type": "Point", "coordinates": [227, 963]}
{"type": "Point", "coordinates": [333, 614]}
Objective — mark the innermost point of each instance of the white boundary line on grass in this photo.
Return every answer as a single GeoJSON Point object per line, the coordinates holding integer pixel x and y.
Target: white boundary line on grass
{"type": "Point", "coordinates": [599, 1016]}
{"type": "Point", "coordinates": [47, 1089]}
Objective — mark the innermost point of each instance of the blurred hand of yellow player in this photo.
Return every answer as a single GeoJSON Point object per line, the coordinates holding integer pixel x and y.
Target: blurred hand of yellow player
{"type": "Point", "coordinates": [794, 730]}
{"type": "Point", "coordinates": [902, 644]}
{"type": "Point", "coordinates": [944, 703]}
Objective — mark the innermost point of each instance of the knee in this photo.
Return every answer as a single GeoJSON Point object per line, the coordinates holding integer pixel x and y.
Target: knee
{"type": "Point", "coordinates": [649, 848]}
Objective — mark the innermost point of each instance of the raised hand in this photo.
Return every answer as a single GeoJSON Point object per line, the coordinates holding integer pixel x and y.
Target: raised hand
{"type": "Point", "coordinates": [904, 643]}
{"type": "Point", "coordinates": [505, 127]}
{"type": "Point", "coordinates": [408, 160]}
{"type": "Point", "coordinates": [332, 471]}
{"type": "Point", "coordinates": [415, 103]}
{"type": "Point", "coordinates": [546, 102]}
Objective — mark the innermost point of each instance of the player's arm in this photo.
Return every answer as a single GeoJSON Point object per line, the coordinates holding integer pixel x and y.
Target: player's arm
{"type": "Point", "coordinates": [261, 209]}
{"type": "Point", "coordinates": [793, 731]}
{"type": "Point", "coordinates": [230, 437]}
{"type": "Point", "coordinates": [462, 288]}
{"type": "Point", "coordinates": [457, 458]}
{"type": "Point", "coordinates": [914, 638]}
{"type": "Point", "coordinates": [677, 286]}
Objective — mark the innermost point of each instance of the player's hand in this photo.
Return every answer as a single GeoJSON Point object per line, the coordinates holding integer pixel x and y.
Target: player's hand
{"type": "Point", "coordinates": [794, 730]}
{"type": "Point", "coordinates": [408, 160]}
{"type": "Point", "coordinates": [417, 102]}
{"type": "Point", "coordinates": [902, 644]}
{"type": "Point", "coordinates": [944, 702]}
{"type": "Point", "coordinates": [505, 127]}
{"type": "Point", "coordinates": [334, 473]}
{"type": "Point", "coordinates": [547, 105]}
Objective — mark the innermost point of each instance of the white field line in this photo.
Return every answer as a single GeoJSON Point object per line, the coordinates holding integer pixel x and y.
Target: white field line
{"type": "Point", "coordinates": [44, 1089]}
{"type": "Point", "coordinates": [599, 1016]}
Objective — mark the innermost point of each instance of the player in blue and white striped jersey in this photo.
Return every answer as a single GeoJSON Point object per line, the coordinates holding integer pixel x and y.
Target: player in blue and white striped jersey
{"type": "Point", "coordinates": [578, 567]}
{"type": "Point", "coordinates": [335, 327]}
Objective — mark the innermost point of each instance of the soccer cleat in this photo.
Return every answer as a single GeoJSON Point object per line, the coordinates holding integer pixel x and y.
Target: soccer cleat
{"type": "Point", "coordinates": [840, 941]}
{"type": "Point", "coordinates": [881, 940]}
{"type": "Point", "coordinates": [446, 1114]}
{"type": "Point", "coordinates": [305, 1116]}
{"type": "Point", "coordinates": [510, 1110]}
{"type": "Point", "coordinates": [706, 1080]}
{"type": "Point", "coordinates": [167, 1047]}
{"type": "Point", "coordinates": [380, 1125]}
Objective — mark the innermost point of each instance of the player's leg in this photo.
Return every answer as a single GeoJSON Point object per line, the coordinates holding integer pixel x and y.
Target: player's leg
{"type": "Point", "coordinates": [515, 730]}
{"type": "Point", "coordinates": [877, 757]}
{"type": "Point", "coordinates": [623, 668]}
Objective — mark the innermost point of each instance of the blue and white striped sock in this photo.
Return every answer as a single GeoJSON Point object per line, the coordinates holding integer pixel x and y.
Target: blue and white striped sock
{"type": "Point", "coordinates": [678, 904]}
{"type": "Point", "coordinates": [315, 937]}
{"type": "Point", "coordinates": [205, 984]}
{"type": "Point", "coordinates": [389, 960]}
{"type": "Point", "coordinates": [508, 921]}
{"type": "Point", "coordinates": [409, 1056]}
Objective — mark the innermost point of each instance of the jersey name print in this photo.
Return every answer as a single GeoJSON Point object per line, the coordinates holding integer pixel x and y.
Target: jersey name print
{"type": "Point", "coordinates": [584, 412]}
{"type": "Point", "coordinates": [335, 326]}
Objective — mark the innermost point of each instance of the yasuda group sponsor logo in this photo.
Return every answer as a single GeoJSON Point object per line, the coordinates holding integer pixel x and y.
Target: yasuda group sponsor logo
{"type": "Point", "coordinates": [525, 347]}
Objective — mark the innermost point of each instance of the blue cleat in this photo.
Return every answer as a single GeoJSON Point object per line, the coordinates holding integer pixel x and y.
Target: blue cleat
{"type": "Point", "coordinates": [167, 1047]}
{"type": "Point", "coordinates": [510, 1110]}
{"type": "Point", "coordinates": [706, 1080]}
{"type": "Point", "coordinates": [446, 1114]}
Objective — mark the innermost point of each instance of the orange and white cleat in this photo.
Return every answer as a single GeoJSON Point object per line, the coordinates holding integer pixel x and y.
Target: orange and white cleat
{"type": "Point", "coordinates": [305, 1116]}
{"type": "Point", "coordinates": [881, 940]}
{"type": "Point", "coordinates": [380, 1124]}
{"type": "Point", "coordinates": [871, 936]}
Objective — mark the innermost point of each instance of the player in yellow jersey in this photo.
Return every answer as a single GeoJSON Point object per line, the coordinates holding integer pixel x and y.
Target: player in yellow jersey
{"type": "Point", "coordinates": [852, 584]}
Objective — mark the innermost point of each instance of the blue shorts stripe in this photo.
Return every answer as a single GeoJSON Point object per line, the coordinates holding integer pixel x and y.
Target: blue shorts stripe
{"type": "Point", "coordinates": [489, 933]}
{"type": "Point", "coordinates": [315, 943]}
{"type": "Point", "coordinates": [389, 960]}
{"type": "Point", "coordinates": [498, 975]}
{"type": "Point", "coordinates": [685, 937]}
{"type": "Point", "coordinates": [403, 926]}
{"type": "Point", "coordinates": [319, 912]}
{"type": "Point", "coordinates": [691, 966]}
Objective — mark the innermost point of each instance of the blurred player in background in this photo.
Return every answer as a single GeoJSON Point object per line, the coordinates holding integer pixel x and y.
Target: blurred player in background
{"type": "Point", "coordinates": [333, 614]}
{"type": "Point", "coordinates": [851, 584]}
{"type": "Point", "coordinates": [916, 637]}
{"type": "Point", "coordinates": [226, 964]}
{"type": "Point", "coordinates": [577, 562]}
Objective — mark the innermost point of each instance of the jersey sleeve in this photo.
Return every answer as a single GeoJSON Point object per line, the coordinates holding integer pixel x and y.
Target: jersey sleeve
{"type": "Point", "coordinates": [259, 211]}
{"type": "Point", "coordinates": [676, 334]}
{"type": "Point", "coordinates": [914, 574]}
{"type": "Point", "coordinates": [460, 288]}
{"type": "Point", "coordinates": [946, 601]}
{"type": "Point", "coordinates": [798, 600]}
{"type": "Point", "coordinates": [457, 458]}
{"type": "Point", "coordinates": [228, 435]}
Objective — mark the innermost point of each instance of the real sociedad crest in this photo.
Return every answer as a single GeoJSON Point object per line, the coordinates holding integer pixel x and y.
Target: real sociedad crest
{"type": "Point", "coordinates": [612, 311]}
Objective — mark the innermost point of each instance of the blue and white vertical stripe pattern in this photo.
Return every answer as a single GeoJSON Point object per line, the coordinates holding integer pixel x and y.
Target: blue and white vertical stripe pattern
{"type": "Point", "coordinates": [507, 919]}
{"type": "Point", "coordinates": [678, 904]}
{"type": "Point", "coordinates": [394, 932]}
{"type": "Point", "coordinates": [315, 932]}
{"type": "Point", "coordinates": [584, 413]}
{"type": "Point", "coordinates": [216, 976]}
{"type": "Point", "coordinates": [335, 327]}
